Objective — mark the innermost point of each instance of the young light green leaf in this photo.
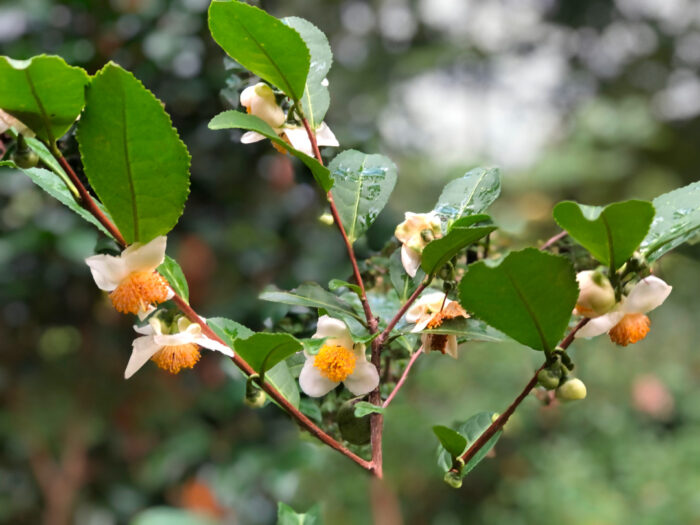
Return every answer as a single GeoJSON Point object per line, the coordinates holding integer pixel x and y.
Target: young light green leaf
{"type": "Point", "coordinates": [610, 234]}
{"type": "Point", "coordinates": [280, 377]}
{"type": "Point", "coordinates": [471, 430]}
{"type": "Point", "coordinates": [170, 516]}
{"type": "Point", "coordinates": [451, 440]}
{"type": "Point", "coordinates": [336, 284]}
{"type": "Point", "coordinates": [238, 120]}
{"type": "Point", "coordinates": [403, 283]}
{"type": "Point", "coordinates": [287, 516]}
{"type": "Point", "coordinates": [316, 98]}
{"type": "Point", "coordinates": [262, 351]}
{"type": "Point", "coordinates": [172, 272]}
{"type": "Point", "coordinates": [471, 194]}
{"type": "Point", "coordinates": [229, 330]}
{"type": "Point", "coordinates": [133, 157]}
{"type": "Point", "coordinates": [677, 220]}
{"type": "Point", "coordinates": [363, 408]}
{"type": "Point", "coordinates": [529, 296]}
{"type": "Point", "coordinates": [311, 295]}
{"type": "Point", "coordinates": [47, 158]}
{"type": "Point", "coordinates": [262, 43]}
{"type": "Point", "coordinates": [362, 186]}
{"type": "Point", "coordinates": [460, 235]}
{"type": "Point", "coordinates": [43, 92]}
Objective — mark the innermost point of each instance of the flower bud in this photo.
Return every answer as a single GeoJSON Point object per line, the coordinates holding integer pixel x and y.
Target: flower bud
{"type": "Point", "coordinates": [355, 430]}
{"type": "Point", "coordinates": [549, 378]}
{"type": "Point", "coordinates": [597, 296]}
{"type": "Point", "coordinates": [571, 390]}
{"type": "Point", "coordinates": [25, 158]}
{"type": "Point", "coordinates": [259, 100]}
{"type": "Point", "coordinates": [255, 397]}
{"type": "Point", "coordinates": [453, 479]}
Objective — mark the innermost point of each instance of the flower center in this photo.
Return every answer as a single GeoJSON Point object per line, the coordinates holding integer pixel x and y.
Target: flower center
{"type": "Point", "coordinates": [435, 342]}
{"type": "Point", "coordinates": [139, 291]}
{"type": "Point", "coordinates": [176, 357]}
{"type": "Point", "coordinates": [335, 362]}
{"type": "Point", "coordinates": [632, 328]}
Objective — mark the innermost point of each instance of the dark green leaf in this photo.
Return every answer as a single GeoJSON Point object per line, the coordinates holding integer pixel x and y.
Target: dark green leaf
{"type": "Point", "coordinates": [262, 43]}
{"type": "Point", "coordinates": [171, 270]}
{"type": "Point", "coordinates": [361, 189]}
{"type": "Point", "coordinates": [403, 283]}
{"type": "Point", "coordinates": [471, 194]}
{"type": "Point", "coordinates": [311, 295]}
{"type": "Point", "coordinates": [452, 441]}
{"type": "Point", "coordinates": [677, 220]}
{"type": "Point", "coordinates": [529, 296]}
{"type": "Point", "coordinates": [460, 235]}
{"type": "Point", "coordinates": [287, 516]}
{"type": "Point", "coordinates": [363, 408]}
{"type": "Point", "coordinates": [43, 92]}
{"type": "Point", "coordinates": [133, 157]}
{"type": "Point", "coordinates": [238, 120]}
{"type": "Point", "coordinates": [610, 234]}
{"type": "Point", "coordinates": [262, 351]}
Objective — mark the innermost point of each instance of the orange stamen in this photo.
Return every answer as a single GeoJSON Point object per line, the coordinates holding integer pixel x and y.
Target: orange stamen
{"type": "Point", "coordinates": [335, 362]}
{"type": "Point", "coordinates": [632, 328]}
{"type": "Point", "coordinates": [176, 357]}
{"type": "Point", "coordinates": [139, 291]}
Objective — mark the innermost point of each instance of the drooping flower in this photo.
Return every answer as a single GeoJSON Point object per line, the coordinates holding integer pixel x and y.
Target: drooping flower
{"type": "Point", "coordinates": [415, 232]}
{"type": "Point", "coordinates": [429, 312]}
{"type": "Point", "coordinates": [170, 351]}
{"type": "Point", "coordinates": [596, 296]}
{"type": "Point", "coordinates": [299, 138]}
{"type": "Point", "coordinates": [131, 278]}
{"type": "Point", "coordinates": [627, 322]}
{"type": "Point", "coordinates": [338, 360]}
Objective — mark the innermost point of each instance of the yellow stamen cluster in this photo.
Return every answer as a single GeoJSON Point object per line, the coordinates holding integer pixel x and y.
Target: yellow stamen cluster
{"type": "Point", "coordinates": [632, 328]}
{"type": "Point", "coordinates": [450, 311]}
{"type": "Point", "coordinates": [139, 291]}
{"type": "Point", "coordinates": [335, 362]}
{"type": "Point", "coordinates": [176, 357]}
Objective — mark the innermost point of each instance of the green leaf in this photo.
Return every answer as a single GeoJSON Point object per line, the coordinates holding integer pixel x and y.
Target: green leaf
{"type": "Point", "coordinates": [43, 92]}
{"type": "Point", "coordinates": [280, 376]}
{"type": "Point", "coordinates": [471, 194]}
{"type": "Point", "coordinates": [47, 158]}
{"type": "Point", "coordinates": [238, 120]}
{"type": "Point", "coordinates": [469, 330]}
{"type": "Point", "coordinates": [451, 440]}
{"type": "Point", "coordinates": [361, 189]}
{"type": "Point", "coordinates": [471, 430]}
{"type": "Point", "coordinates": [610, 234]}
{"type": "Point", "coordinates": [363, 408]}
{"type": "Point", "coordinates": [335, 284]}
{"type": "Point", "coordinates": [316, 98]}
{"type": "Point", "coordinates": [171, 270]}
{"type": "Point", "coordinates": [677, 220]}
{"type": "Point", "coordinates": [529, 296]}
{"type": "Point", "coordinates": [460, 235]}
{"type": "Point", "coordinates": [403, 283]}
{"type": "Point", "coordinates": [311, 295]}
{"type": "Point", "coordinates": [170, 516]}
{"type": "Point", "coordinates": [263, 44]}
{"type": "Point", "coordinates": [229, 330]}
{"type": "Point", "coordinates": [262, 351]}
{"type": "Point", "coordinates": [133, 157]}
{"type": "Point", "coordinates": [287, 516]}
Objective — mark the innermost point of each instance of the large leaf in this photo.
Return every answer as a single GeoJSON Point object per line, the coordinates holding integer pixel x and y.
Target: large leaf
{"type": "Point", "coordinates": [471, 430]}
{"type": "Point", "coordinates": [437, 253]}
{"type": "Point", "coordinates": [133, 157]}
{"type": "Point", "coordinates": [471, 194]}
{"type": "Point", "coordinates": [172, 272]}
{"type": "Point", "coordinates": [529, 296]}
{"type": "Point", "coordinates": [316, 98]}
{"type": "Point", "coordinates": [361, 189]}
{"type": "Point", "coordinates": [262, 351]}
{"type": "Point", "coordinates": [610, 234]}
{"type": "Point", "coordinates": [261, 43]}
{"type": "Point", "coordinates": [286, 515]}
{"type": "Point", "coordinates": [43, 92]}
{"type": "Point", "coordinates": [238, 120]}
{"type": "Point", "coordinates": [677, 220]}
{"type": "Point", "coordinates": [311, 295]}
{"type": "Point", "coordinates": [403, 283]}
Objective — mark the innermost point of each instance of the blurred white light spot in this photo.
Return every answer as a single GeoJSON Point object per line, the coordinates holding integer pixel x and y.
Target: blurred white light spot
{"type": "Point", "coordinates": [187, 64]}
{"type": "Point", "coordinates": [350, 51]}
{"type": "Point", "coordinates": [13, 24]}
{"type": "Point", "coordinates": [681, 98]}
{"type": "Point", "coordinates": [357, 17]}
{"type": "Point", "coordinates": [396, 21]}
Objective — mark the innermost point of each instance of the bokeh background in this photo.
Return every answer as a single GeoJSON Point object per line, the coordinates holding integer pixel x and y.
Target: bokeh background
{"type": "Point", "coordinates": [596, 101]}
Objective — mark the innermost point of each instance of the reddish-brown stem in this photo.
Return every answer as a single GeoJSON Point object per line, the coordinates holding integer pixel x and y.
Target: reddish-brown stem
{"type": "Point", "coordinates": [552, 240]}
{"type": "Point", "coordinates": [403, 377]}
{"type": "Point", "coordinates": [503, 418]}
{"type": "Point", "coordinates": [381, 338]}
{"type": "Point", "coordinates": [88, 202]}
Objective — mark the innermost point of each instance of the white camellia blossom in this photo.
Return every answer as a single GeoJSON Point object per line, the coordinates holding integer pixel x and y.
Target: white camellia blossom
{"type": "Point", "coordinates": [415, 232]}
{"type": "Point", "coordinates": [299, 139]}
{"type": "Point", "coordinates": [626, 323]}
{"type": "Point", "coordinates": [171, 352]}
{"type": "Point", "coordinates": [338, 360]}
{"type": "Point", "coordinates": [131, 278]}
{"type": "Point", "coordinates": [429, 312]}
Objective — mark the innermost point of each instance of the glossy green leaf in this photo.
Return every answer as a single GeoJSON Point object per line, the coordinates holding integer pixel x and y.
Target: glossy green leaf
{"type": "Point", "coordinates": [471, 430]}
{"type": "Point", "coordinates": [238, 120]}
{"type": "Point", "coordinates": [229, 330]}
{"type": "Point", "coordinates": [262, 351]}
{"type": "Point", "coordinates": [451, 440]}
{"type": "Point", "coordinates": [677, 220]}
{"type": "Point", "coordinates": [460, 235]}
{"type": "Point", "coordinates": [43, 92]}
{"type": "Point", "coordinates": [529, 296]}
{"type": "Point", "coordinates": [610, 234]}
{"type": "Point", "coordinates": [263, 44]}
{"type": "Point", "coordinates": [469, 195]}
{"type": "Point", "coordinates": [403, 283]}
{"type": "Point", "coordinates": [363, 408]}
{"type": "Point", "coordinates": [311, 295]}
{"type": "Point", "coordinates": [361, 189]}
{"type": "Point", "coordinates": [172, 272]}
{"type": "Point", "coordinates": [316, 98]}
{"type": "Point", "coordinates": [133, 157]}
{"type": "Point", "coordinates": [286, 515]}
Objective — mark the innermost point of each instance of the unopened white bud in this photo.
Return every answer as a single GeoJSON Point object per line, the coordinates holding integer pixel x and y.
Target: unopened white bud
{"type": "Point", "coordinates": [597, 296]}
{"type": "Point", "coordinates": [571, 390]}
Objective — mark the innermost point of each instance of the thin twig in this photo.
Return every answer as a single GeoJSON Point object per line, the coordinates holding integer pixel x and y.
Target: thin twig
{"type": "Point", "coordinates": [402, 380]}
{"type": "Point", "coordinates": [381, 338]}
{"type": "Point", "coordinates": [553, 240]}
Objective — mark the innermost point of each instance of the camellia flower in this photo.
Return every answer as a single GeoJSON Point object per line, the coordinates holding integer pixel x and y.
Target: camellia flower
{"type": "Point", "coordinates": [415, 232]}
{"type": "Point", "coordinates": [429, 312]}
{"type": "Point", "coordinates": [627, 322]}
{"type": "Point", "coordinates": [170, 351]}
{"type": "Point", "coordinates": [596, 296]}
{"type": "Point", "coordinates": [259, 100]}
{"type": "Point", "coordinates": [338, 360]}
{"type": "Point", "coordinates": [134, 285]}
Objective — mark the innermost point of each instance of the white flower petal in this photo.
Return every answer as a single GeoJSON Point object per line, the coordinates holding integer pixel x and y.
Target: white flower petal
{"type": "Point", "coordinates": [451, 348]}
{"type": "Point", "coordinates": [251, 136]}
{"type": "Point", "coordinates": [334, 330]}
{"type": "Point", "coordinates": [144, 330]}
{"type": "Point", "coordinates": [143, 348]}
{"type": "Point", "coordinates": [363, 380]}
{"type": "Point", "coordinates": [142, 314]}
{"type": "Point", "coordinates": [646, 295]}
{"type": "Point", "coordinates": [107, 270]}
{"type": "Point", "coordinates": [145, 257]}
{"type": "Point", "coordinates": [211, 344]}
{"type": "Point", "coordinates": [181, 338]}
{"type": "Point", "coordinates": [312, 382]}
{"type": "Point", "coordinates": [421, 323]}
{"type": "Point", "coordinates": [325, 137]}
{"type": "Point", "coordinates": [410, 260]}
{"type": "Point", "coordinates": [299, 140]}
{"type": "Point", "coordinates": [600, 325]}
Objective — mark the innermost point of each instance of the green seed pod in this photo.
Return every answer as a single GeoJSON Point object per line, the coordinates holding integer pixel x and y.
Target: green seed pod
{"type": "Point", "coordinates": [549, 378]}
{"type": "Point", "coordinates": [25, 158]}
{"type": "Point", "coordinates": [355, 430]}
{"type": "Point", "coordinates": [255, 397]}
{"type": "Point", "coordinates": [571, 390]}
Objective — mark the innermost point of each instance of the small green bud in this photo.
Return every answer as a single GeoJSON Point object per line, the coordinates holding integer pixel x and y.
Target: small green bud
{"type": "Point", "coordinates": [255, 397]}
{"type": "Point", "coordinates": [326, 219]}
{"type": "Point", "coordinates": [571, 390]}
{"type": "Point", "coordinates": [453, 479]}
{"type": "Point", "coordinates": [25, 158]}
{"type": "Point", "coordinates": [549, 378]}
{"type": "Point", "coordinates": [355, 430]}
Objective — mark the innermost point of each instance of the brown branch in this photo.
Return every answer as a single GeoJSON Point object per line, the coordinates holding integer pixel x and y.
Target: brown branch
{"type": "Point", "coordinates": [381, 338]}
{"type": "Point", "coordinates": [403, 377]}
{"type": "Point", "coordinates": [552, 240]}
